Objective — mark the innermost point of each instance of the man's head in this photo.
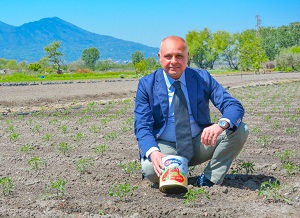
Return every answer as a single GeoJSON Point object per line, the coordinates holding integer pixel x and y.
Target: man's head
{"type": "Point", "coordinates": [173, 56]}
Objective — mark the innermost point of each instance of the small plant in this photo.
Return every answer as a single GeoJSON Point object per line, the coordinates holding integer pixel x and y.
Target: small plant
{"type": "Point", "coordinates": [263, 140]}
{"type": "Point", "coordinates": [77, 137]}
{"type": "Point", "coordinates": [94, 129]}
{"type": "Point", "coordinates": [6, 185]}
{"type": "Point", "coordinates": [122, 191]}
{"type": "Point", "coordinates": [246, 166]}
{"type": "Point", "coordinates": [100, 149]}
{"type": "Point", "coordinates": [256, 130]}
{"type": "Point", "coordinates": [130, 167]}
{"type": "Point", "coordinates": [272, 191]}
{"type": "Point", "coordinates": [291, 130]}
{"type": "Point", "coordinates": [63, 147]}
{"type": "Point", "coordinates": [83, 163]}
{"type": "Point", "coordinates": [36, 162]}
{"type": "Point", "coordinates": [59, 186]}
{"type": "Point", "coordinates": [47, 137]}
{"type": "Point", "coordinates": [64, 128]}
{"type": "Point", "coordinates": [27, 148]}
{"type": "Point", "coordinates": [191, 196]}
{"type": "Point", "coordinates": [13, 136]}
{"type": "Point", "coordinates": [111, 136]}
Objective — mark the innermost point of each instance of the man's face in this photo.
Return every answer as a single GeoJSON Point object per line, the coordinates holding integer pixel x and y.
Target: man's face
{"type": "Point", "coordinates": [173, 57]}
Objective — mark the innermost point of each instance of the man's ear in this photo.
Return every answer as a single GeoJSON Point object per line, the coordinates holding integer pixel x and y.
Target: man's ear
{"type": "Point", "coordinates": [158, 55]}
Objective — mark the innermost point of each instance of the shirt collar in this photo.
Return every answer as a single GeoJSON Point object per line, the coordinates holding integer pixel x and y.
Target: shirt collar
{"type": "Point", "coordinates": [169, 81]}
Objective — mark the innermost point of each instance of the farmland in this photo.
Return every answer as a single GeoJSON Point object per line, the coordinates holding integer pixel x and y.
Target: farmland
{"type": "Point", "coordinates": [68, 150]}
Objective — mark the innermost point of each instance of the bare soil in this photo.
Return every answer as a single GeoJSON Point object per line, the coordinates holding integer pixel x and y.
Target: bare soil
{"type": "Point", "coordinates": [86, 116]}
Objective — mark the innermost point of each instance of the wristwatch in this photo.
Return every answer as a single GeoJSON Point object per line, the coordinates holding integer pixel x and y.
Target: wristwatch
{"type": "Point", "coordinates": [223, 124]}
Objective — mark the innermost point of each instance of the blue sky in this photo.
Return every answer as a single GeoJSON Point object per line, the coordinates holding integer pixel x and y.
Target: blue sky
{"type": "Point", "coordinates": [149, 21]}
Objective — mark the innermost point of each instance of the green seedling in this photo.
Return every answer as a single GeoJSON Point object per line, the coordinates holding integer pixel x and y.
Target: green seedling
{"type": "Point", "coordinates": [27, 148]}
{"type": "Point", "coordinates": [291, 130]}
{"type": "Point", "coordinates": [6, 185]}
{"type": "Point", "coordinates": [64, 128]}
{"type": "Point", "coordinates": [36, 162]}
{"type": "Point", "coordinates": [94, 129]}
{"type": "Point", "coordinates": [47, 137]}
{"type": "Point", "coordinates": [256, 130]}
{"type": "Point", "coordinates": [190, 197]}
{"type": "Point", "coordinates": [244, 166]}
{"type": "Point", "coordinates": [272, 191]}
{"type": "Point", "coordinates": [122, 191]}
{"type": "Point", "coordinates": [59, 186]}
{"type": "Point", "coordinates": [63, 147]}
{"type": "Point", "coordinates": [111, 136]}
{"type": "Point", "coordinates": [100, 149]}
{"type": "Point", "coordinates": [285, 156]}
{"type": "Point", "coordinates": [13, 136]}
{"type": "Point", "coordinates": [77, 137]}
{"type": "Point", "coordinates": [130, 167]}
{"type": "Point", "coordinates": [263, 140]}
{"type": "Point", "coordinates": [83, 163]}
{"type": "Point", "coordinates": [10, 129]}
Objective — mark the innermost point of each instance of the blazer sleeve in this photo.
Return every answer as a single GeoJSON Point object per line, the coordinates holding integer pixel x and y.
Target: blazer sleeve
{"type": "Point", "coordinates": [143, 118]}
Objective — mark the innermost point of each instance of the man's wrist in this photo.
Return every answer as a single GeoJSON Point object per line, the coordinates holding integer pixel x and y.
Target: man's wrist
{"type": "Point", "coordinates": [223, 124]}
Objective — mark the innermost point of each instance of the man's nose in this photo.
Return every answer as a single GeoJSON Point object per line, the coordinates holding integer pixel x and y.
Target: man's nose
{"type": "Point", "coordinates": [174, 59]}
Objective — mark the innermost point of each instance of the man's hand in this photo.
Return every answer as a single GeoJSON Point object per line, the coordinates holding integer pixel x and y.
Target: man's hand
{"type": "Point", "coordinates": [156, 157]}
{"type": "Point", "coordinates": [210, 135]}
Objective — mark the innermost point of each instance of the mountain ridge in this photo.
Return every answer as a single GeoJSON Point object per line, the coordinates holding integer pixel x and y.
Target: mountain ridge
{"type": "Point", "coordinates": [27, 42]}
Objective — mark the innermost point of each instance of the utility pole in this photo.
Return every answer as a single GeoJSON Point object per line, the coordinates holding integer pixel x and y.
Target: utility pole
{"type": "Point", "coordinates": [258, 21]}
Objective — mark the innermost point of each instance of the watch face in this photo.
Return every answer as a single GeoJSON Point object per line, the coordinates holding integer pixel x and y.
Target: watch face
{"type": "Point", "coordinates": [222, 123]}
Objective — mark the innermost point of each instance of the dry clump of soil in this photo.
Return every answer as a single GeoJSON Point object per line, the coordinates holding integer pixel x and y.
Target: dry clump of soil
{"type": "Point", "coordinates": [96, 130]}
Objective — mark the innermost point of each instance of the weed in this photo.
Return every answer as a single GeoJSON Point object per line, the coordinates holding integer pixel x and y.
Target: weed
{"type": "Point", "coordinates": [64, 128]}
{"type": "Point", "coordinates": [6, 185]}
{"type": "Point", "coordinates": [94, 129]}
{"type": "Point", "coordinates": [122, 191]}
{"type": "Point", "coordinates": [191, 196]}
{"type": "Point", "coordinates": [291, 130]}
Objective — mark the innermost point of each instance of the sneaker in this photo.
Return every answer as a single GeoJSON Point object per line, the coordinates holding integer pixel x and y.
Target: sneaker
{"type": "Point", "coordinates": [203, 181]}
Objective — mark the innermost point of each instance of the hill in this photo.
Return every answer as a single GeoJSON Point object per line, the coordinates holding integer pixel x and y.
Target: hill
{"type": "Point", "coordinates": [27, 42]}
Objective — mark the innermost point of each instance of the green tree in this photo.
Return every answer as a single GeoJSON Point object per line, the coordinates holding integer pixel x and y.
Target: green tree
{"type": "Point", "coordinates": [140, 67]}
{"type": "Point", "coordinates": [226, 47]}
{"type": "Point", "coordinates": [201, 48]}
{"type": "Point", "coordinates": [136, 57]}
{"type": "Point", "coordinates": [151, 63]}
{"type": "Point", "coordinates": [90, 56]}
{"type": "Point", "coordinates": [251, 53]}
{"type": "Point", "coordinates": [53, 55]}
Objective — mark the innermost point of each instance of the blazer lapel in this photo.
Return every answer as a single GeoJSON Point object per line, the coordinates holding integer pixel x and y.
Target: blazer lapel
{"type": "Point", "coordinates": [160, 90]}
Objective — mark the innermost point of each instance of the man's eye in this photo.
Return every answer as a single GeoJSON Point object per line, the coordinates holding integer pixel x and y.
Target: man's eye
{"type": "Point", "coordinates": [168, 56]}
{"type": "Point", "coordinates": [179, 56]}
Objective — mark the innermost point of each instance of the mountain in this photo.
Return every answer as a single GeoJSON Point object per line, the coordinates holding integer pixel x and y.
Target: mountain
{"type": "Point", "coordinates": [27, 42]}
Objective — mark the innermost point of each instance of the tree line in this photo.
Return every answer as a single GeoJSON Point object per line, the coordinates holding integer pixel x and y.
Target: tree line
{"type": "Point", "coordinates": [250, 50]}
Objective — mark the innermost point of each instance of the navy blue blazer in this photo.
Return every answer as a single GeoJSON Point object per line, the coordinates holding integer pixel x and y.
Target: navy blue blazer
{"type": "Point", "coordinates": [152, 104]}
